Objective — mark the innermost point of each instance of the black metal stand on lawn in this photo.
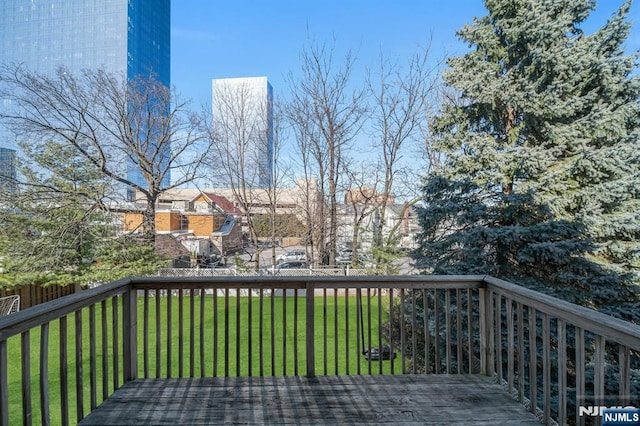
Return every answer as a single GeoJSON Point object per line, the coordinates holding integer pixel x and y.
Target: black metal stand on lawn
{"type": "Point", "coordinates": [376, 353]}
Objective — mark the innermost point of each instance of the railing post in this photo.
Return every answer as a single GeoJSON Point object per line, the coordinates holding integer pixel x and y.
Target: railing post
{"type": "Point", "coordinates": [129, 334]}
{"type": "Point", "coordinates": [624, 357]}
{"type": "Point", "coordinates": [485, 321]}
{"type": "Point", "coordinates": [310, 298]}
{"type": "Point", "coordinates": [26, 377]}
{"type": "Point", "coordinates": [4, 385]}
{"type": "Point", "coordinates": [599, 356]}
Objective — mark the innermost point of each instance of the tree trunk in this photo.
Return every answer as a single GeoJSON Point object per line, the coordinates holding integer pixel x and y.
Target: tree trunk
{"type": "Point", "coordinates": [149, 223]}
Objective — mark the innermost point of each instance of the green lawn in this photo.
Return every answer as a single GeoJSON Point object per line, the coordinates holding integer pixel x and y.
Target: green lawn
{"type": "Point", "coordinates": [340, 355]}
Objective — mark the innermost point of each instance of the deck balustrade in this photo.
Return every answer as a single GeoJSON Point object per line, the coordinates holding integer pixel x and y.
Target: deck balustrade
{"type": "Point", "coordinates": [61, 359]}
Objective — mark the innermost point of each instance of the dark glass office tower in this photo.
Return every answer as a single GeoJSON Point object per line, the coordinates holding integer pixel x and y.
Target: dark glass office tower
{"type": "Point", "coordinates": [131, 37]}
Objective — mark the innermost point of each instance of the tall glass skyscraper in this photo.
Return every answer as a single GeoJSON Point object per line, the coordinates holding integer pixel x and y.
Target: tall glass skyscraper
{"type": "Point", "coordinates": [128, 37]}
{"type": "Point", "coordinates": [243, 122]}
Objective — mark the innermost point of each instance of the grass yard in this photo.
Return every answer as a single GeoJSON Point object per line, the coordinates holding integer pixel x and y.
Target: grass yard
{"type": "Point", "coordinates": [282, 344]}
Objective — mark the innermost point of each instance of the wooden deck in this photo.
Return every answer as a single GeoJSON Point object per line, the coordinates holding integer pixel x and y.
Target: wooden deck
{"type": "Point", "coordinates": [545, 351]}
{"type": "Point", "coordinates": [398, 399]}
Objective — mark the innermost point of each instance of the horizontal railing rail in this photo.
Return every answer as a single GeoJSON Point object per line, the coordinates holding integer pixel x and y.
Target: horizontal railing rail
{"type": "Point", "coordinates": [613, 329]}
{"type": "Point", "coordinates": [266, 271]}
{"type": "Point", "coordinates": [551, 355]}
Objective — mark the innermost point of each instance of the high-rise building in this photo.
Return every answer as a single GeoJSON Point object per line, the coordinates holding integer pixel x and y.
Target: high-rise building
{"type": "Point", "coordinates": [243, 124]}
{"type": "Point", "coordinates": [127, 37]}
{"type": "Point", "coordinates": [7, 169]}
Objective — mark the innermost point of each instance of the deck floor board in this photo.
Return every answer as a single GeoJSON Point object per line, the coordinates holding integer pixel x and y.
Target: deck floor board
{"type": "Point", "coordinates": [331, 400]}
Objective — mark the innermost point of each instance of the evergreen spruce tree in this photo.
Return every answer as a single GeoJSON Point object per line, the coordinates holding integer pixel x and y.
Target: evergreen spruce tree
{"type": "Point", "coordinates": [56, 216]}
{"type": "Point", "coordinates": [55, 228]}
{"type": "Point", "coordinates": [540, 181]}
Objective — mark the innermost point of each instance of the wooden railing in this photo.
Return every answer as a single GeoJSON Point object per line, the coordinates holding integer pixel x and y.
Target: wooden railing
{"type": "Point", "coordinates": [59, 360]}
{"type": "Point", "coordinates": [558, 357]}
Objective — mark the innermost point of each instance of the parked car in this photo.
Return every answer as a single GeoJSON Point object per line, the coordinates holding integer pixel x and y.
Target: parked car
{"type": "Point", "coordinates": [292, 265]}
{"type": "Point", "coordinates": [267, 244]}
{"type": "Point", "coordinates": [293, 255]}
{"type": "Point", "coordinates": [214, 261]}
{"type": "Point", "coordinates": [344, 255]}
{"type": "Point", "coordinates": [346, 258]}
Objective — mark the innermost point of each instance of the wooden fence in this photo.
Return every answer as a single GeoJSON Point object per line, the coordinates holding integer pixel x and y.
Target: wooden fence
{"type": "Point", "coordinates": [32, 295]}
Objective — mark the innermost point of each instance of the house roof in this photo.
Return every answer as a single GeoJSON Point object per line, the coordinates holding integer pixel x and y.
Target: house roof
{"type": "Point", "coordinates": [169, 247]}
{"type": "Point", "coordinates": [222, 203]}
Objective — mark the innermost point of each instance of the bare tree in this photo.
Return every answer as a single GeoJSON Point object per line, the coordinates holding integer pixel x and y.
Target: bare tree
{"type": "Point", "coordinates": [280, 170]}
{"type": "Point", "coordinates": [313, 182]}
{"type": "Point", "coordinates": [362, 198]}
{"type": "Point", "coordinates": [137, 133]}
{"type": "Point", "coordinates": [241, 135]}
{"type": "Point", "coordinates": [401, 99]}
{"type": "Point", "coordinates": [331, 114]}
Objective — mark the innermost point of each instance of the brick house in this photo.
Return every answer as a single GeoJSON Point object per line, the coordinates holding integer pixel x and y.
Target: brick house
{"type": "Point", "coordinates": [206, 215]}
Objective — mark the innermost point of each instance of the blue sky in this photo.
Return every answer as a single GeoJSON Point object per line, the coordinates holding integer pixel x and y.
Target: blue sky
{"type": "Point", "coordinates": [248, 38]}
